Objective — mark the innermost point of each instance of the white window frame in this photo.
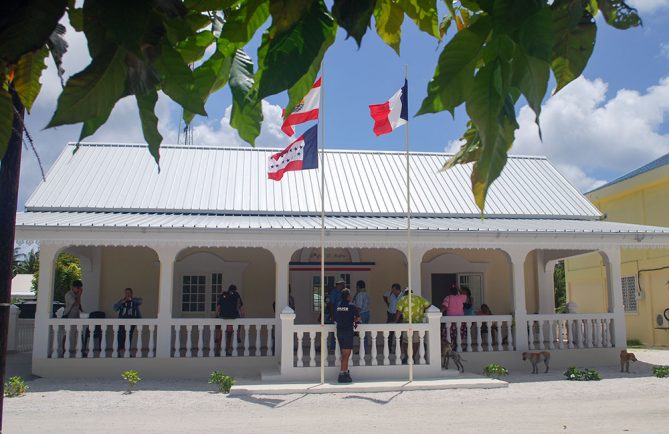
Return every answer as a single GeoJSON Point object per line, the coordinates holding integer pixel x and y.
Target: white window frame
{"type": "Point", "coordinates": [213, 286]}
{"type": "Point", "coordinates": [628, 286]}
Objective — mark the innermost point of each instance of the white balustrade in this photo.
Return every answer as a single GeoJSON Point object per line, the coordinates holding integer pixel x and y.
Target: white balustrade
{"type": "Point", "coordinates": [479, 332]}
{"type": "Point", "coordinates": [569, 331]}
{"type": "Point", "coordinates": [99, 338]}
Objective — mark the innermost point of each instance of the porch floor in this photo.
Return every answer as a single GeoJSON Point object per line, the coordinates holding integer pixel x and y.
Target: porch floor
{"type": "Point", "coordinates": [463, 381]}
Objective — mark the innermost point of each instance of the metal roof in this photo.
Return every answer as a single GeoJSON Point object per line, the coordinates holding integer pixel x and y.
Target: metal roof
{"type": "Point", "coordinates": [662, 161]}
{"type": "Point", "coordinates": [233, 181]}
{"type": "Point", "coordinates": [48, 220]}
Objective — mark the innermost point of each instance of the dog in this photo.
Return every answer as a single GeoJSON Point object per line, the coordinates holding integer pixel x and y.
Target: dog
{"type": "Point", "coordinates": [535, 358]}
{"type": "Point", "coordinates": [448, 353]}
{"type": "Point", "coordinates": [625, 359]}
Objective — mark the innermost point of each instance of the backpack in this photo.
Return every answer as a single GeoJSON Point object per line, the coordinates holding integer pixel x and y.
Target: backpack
{"type": "Point", "coordinates": [228, 304]}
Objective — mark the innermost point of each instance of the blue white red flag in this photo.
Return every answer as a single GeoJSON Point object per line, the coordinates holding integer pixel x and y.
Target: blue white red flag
{"type": "Point", "coordinates": [302, 154]}
{"type": "Point", "coordinates": [306, 110]}
{"type": "Point", "coordinates": [392, 113]}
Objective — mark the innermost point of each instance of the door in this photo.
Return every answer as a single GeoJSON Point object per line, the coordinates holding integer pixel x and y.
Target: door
{"type": "Point", "coordinates": [441, 283]}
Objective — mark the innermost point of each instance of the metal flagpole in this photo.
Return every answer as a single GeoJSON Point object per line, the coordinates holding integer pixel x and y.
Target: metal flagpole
{"type": "Point", "coordinates": [410, 333]}
{"type": "Point", "coordinates": [324, 349]}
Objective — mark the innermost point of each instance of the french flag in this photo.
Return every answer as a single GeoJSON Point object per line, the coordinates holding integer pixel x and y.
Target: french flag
{"type": "Point", "coordinates": [392, 113]}
{"type": "Point", "coordinates": [306, 110]}
{"type": "Point", "coordinates": [302, 154]}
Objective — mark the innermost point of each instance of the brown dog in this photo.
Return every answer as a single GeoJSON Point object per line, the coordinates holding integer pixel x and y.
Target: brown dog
{"type": "Point", "coordinates": [625, 359]}
{"type": "Point", "coordinates": [535, 358]}
{"type": "Point", "coordinates": [448, 353]}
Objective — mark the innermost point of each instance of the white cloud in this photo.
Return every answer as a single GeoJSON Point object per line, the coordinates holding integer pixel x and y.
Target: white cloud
{"type": "Point", "coordinates": [648, 6]}
{"type": "Point", "coordinates": [584, 134]}
{"type": "Point", "coordinates": [664, 50]}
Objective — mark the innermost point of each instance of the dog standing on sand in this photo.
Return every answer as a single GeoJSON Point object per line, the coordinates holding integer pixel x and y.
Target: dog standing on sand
{"type": "Point", "coordinates": [625, 359]}
{"type": "Point", "coordinates": [448, 353]}
{"type": "Point", "coordinates": [535, 358]}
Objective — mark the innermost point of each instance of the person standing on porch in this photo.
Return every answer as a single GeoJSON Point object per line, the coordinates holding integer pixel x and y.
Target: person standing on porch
{"type": "Point", "coordinates": [391, 298]}
{"type": "Point", "coordinates": [332, 302]}
{"type": "Point", "coordinates": [73, 310]}
{"type": "Point", "coordinates": [346, 318]}
{"type": "Point", "coordinates": [127, 307]}
{"type": "Point", "coordinates": [454, 305]}
{"type": "Point", "coordinates": [418, 307]}
{"type": "Point", "coordinates": [361, 301]}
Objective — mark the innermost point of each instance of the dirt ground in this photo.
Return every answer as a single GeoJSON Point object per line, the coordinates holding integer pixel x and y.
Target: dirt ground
{"type": "Point", "coordinates": [545, 403]}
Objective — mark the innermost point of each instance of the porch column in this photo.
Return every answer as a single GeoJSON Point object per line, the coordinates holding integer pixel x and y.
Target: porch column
{"type": "Point", "coordinates": [417, 254]}
{"type": "Point", "coordinates": [546, 289]}
{"type": "Point", "coordinates": [47, 267]}
{"type": "Point", "coordinates": [282, 263]}
{"type": "Point", "coordinates": [166, 256]}
{"type": "Point", "coordinates": [615, 295]}
{"type": "Point", "coordinates": [517, 257]}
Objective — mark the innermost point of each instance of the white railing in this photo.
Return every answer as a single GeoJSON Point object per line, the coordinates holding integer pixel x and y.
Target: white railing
{"type": "Point", "coordinates": [250, 337]}
{"type": "Point", "coordinates": [568, 331]}
{"type": "Point", "coordinates": [374, 345]}
{"type": "Point", "coordinates": [479, 332]}
{"type": "Point", "coordinates": [102, 338]}
{"type": "Point", "coordinates": [25, 329]}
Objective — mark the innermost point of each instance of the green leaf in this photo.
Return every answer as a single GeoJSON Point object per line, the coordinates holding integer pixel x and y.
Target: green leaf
{"type": "Point", "coordinates": [354, 16]}
{"type": "Point", "coordinates": [27, 74]}
{"type": "Point", "coordinates": [246, 116]}
{"type": "Point", "coordinates": [192, 49]}
{"type": "Point", "coordinates": [76, 16]}
{"type": "Point", "coordinates": [423, 13]}
{"type": "Point", "coordinates": [209, 77]}
{"type": "Point", "coordinates": [92, 124]}
{"type": "Point", "coordinates": [455, 68]}
{"type": "Point", "coordinates": [177, 80]}
{"type": "Point", "coordinates": [27, 27]}
{"type": "Point", "coordinates": [574, 41]}
{"type": "Point", "coordinates": [618, 14]}
{"type": "Point", "coordinates": [484, 101]}
{"type": "Point", "coordinates": [242, 23]}
{"type": "Point", "coordinates": [284, 59]}
{"type": "Point", "coordinates": [146, 104]}
{"type": "Point", "coordinates": [125, 22]}
{"type": "Point", "coordinates": [389, 18]}
{"type": "Point", "coordinates": [93, 91]}
{"type": "Point", "coordinates": [6, 120]}
{"type": "Point", "coordinates": [208, 5]}
{"type": "Point", "coordinates": [531, 78]}
{"type": "Point", "coordinates": [286, 13]}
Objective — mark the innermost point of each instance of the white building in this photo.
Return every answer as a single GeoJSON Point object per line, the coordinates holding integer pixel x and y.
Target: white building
{"type": "Point", "coordinates": [210, 218]}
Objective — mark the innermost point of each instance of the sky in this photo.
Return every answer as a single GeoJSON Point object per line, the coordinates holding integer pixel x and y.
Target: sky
{"type": "Point", "coordinates": [601, 126]}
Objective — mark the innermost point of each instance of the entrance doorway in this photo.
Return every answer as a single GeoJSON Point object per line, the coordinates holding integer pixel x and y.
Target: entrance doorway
{"type": "Point", "coordinates": [441, 283]}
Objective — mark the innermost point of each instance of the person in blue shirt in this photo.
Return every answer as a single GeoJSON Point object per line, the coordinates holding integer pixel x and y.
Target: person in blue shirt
{"type": "Point", "coordinates": [333, 300]}
{"type": "Point", "coordinates": [127, 307]}
{"type": "Point", "coordinates": [347, 318]}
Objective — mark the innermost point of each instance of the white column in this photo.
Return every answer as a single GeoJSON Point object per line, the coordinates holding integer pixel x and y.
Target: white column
{"type": "Point", "coordinates": [166, 256]}
{"type": "Point", "coordinates": [12, 330]}
{"type": "Point", "coordinates": [517, 257]}
{"type": "Point", "coordinates": [545, 289]}
{"type": "Point", "coordinates": [616, 307]}
{"type": "Point", "coordinates": [282, 280]}
{"type": "Point", "coordinates": [47, 268]}
{"type": "Point", "coordinates": [416, 283]}
{"type": "Point", "coordinates": [287, 317]}
{"type": "Point", "coordinates": [434, 339]}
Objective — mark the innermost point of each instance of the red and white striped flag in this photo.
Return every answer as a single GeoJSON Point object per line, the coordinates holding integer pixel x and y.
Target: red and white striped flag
{"type": "Point", "coordinates": [306, 110]}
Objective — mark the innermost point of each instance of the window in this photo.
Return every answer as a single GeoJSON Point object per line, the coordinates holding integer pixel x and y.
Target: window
{"type": "Point", "coordinates": [216, 289]}
{"type": "Point", "coordinates": [193, 293]}
{"type": "Point", "coordinates": [473, 281]}
{"type": "Point", "coordinates": [629, 294]}
{"type": "Point", "coordinates": [316, 290]}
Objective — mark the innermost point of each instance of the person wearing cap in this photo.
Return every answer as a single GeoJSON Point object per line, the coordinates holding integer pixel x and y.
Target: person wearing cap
{"type": "Point", "coordinates": [346, 318]}
{"type": "Point", "coordinates": [418, 307]}
{"type": "Point", "coordinates": [391, 298]}
{"type": "Point", "coordinates": [332, 301]}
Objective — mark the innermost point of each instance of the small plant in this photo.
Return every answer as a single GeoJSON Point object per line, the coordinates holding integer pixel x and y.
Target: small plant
{"type": "Point", "coordinates": [634, 343]}
{"type": "Point", "coordinates": [576, 374]}
{"type": "Point", "coordinates": [224, 382]}
{"type": "Point", "coordinates": [132, 378]}
{"type": "Point", "coordinates": [661, 371]}
{"type": "Point", "coordinates": [494, 370]}
{"type": "Point", "coordinates": [15, 387]}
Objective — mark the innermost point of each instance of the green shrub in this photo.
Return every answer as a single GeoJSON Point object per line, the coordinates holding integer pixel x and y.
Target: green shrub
{"type": "Point", "coordinates": [224, 382]}
{"type": "Point", "coordinates": [494, 370]}
{"type": "Point", "coordinates": [15, 387]}
{"type": "Point", "coordinates": [576, 374]}
{"type": "Point", "coordinates": [661, 371]}
{"type": "Point", "coordinates": [634, 343]}
{"type": "Point", "coordinates": [132, 378]}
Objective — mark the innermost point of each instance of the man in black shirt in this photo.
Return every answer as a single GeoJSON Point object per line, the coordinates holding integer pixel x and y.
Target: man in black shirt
{"type": "Point", "coordinates": [347, 318]}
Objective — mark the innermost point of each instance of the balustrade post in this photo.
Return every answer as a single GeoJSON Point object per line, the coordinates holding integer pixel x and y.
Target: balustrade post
{"type": "Point", "coordinates": [433, 339]}
{"type": "Point", "coordinates": [517, 256]}
{"type": "Point", "coordinates": [386, 350]}
{"type": "Point", "coordinates": [166, 256]}
{"type": "Point", "coordinates": [287, 318]}
{"type": "Point", "coordinates": [43, 312]}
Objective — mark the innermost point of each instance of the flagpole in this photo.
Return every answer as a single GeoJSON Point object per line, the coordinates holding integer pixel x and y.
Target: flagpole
{"type": "Point", "coordinates": [410, 334]}
{"type": "Point", "coordinates": [324, 349]}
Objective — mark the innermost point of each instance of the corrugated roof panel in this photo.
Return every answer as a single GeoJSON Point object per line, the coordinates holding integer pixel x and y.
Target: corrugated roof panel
{"type": "Point", "coordinates": [234, 181]}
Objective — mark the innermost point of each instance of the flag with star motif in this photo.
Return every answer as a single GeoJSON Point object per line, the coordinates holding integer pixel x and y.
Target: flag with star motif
{"type": "Point", "coordinates": [302, 154]}
{"type": "Point", "coordinates": [306, 110]}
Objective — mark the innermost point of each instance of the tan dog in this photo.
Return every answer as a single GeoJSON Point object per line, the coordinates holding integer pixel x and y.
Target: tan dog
{"type": "Point", "coordinates": [535, 358]}
{"type": "Point", "coordinates": [625, 359]}
{"type": "Point", "coordinates": [448, 353]}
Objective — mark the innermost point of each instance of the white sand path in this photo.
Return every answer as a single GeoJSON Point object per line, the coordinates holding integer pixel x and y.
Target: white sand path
{"type": "Point", "coordinates": [544, 403]}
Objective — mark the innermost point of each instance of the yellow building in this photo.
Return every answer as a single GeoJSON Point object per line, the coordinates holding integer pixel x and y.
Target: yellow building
{"type": "Point", "coordinates": [641, 197]}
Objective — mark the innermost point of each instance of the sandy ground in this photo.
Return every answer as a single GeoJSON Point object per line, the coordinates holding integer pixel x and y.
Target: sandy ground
{"type": "Point", "coordinates": [544, 403]}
